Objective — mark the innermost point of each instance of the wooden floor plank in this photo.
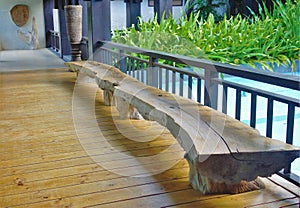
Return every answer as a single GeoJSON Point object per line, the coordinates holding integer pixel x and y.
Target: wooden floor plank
{"type": "Point", "coordinates": [108, 182]}
{"type": "Point", "coordinates": [178, 171]}
{"type": "Point", "coordinates": [117, 162]}
{"type": "Point", "coordinates": [290, 202]}
{"type": "Point", "coordinates": [262, 198]}
{"type": "Point", "coordinates": [271, 193]}
{"type": "Point", "coordinates": [107, 196]}
{"type": "Point", "coordinates": [160, 200]}
{"type": "Point", "coordinates": [286, 184]}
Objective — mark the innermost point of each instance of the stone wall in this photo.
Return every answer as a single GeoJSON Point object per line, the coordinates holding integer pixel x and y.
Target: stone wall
{"type": "Point", "coordinates": [9, 37]}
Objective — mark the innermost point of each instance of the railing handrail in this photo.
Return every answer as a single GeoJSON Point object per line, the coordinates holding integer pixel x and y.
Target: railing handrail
{"type": "Point", "coordinates": [282, 80]}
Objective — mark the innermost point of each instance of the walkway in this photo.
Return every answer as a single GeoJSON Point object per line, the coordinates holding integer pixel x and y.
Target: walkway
{"type": "Point", "coordinates": [20, 60]}
{"type": "Point", "coordinates": [43, 163]}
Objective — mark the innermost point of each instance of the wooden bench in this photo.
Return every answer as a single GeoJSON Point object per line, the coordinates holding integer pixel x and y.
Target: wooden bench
{"type": "Point", "coordinates": [224, 154]}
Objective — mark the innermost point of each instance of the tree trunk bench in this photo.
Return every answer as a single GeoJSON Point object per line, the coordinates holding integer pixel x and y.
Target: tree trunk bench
{"type": "Point", "coordinates": [224, 154]}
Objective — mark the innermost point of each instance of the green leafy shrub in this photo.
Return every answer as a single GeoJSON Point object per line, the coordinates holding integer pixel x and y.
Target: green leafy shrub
{"type": "Point", "coordinates": [204, 7]}
{"type": "Point", "coordinates": [272, 37]}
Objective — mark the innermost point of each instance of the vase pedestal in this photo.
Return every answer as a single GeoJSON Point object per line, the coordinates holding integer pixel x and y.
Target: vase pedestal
{"type": "Point", "coordinates": [75, 52]}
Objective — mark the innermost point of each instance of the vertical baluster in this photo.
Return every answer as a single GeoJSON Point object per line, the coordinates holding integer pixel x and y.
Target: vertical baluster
{"type": "Point", "coordinates": [224, 101]}
{"type": "Point", "coordinates": [129, 66]}
{"type": "Point", "coordinates": [138, 70]}
{"type": "Point", "coordinates": [113, 59]}
{"type": "Point", "coordinates": [290, 131]}
{"type": "Point", "coordinates": [143, 72]}
{"type": "Point", "coordinates": [238, 104]}
{"type": "Point", "coordinates": [199, 82]}
{"type": "Point", "coordinates": [106, 56]}
{"type": "Point", "coordinates": [102, 56]}
{"type": "Point", "coordinates": [253, 110]}
{"type": "Point", "coordinates": [290, 124]}
{"type": "Point", "coordinates": [125, 64]}
{"type": "Point", "coordinates": [111, 55]}
{"type": "Point", "coordinates": [116, 60]}
{"type": "Point", "coordinates": [190, 86]}
{"type": "Point", "coordinates": [173, 82]}
{"type": "Point", "coordinates": [160, 78]}
{"type": "Point", "coordinates": [133, 67]}
{"type": "Point", "coordinates": [181, 85]}
{"type": "Point", "coordinates": [167, 80]}
{"type": "Point", "coordinates": [270, 117]}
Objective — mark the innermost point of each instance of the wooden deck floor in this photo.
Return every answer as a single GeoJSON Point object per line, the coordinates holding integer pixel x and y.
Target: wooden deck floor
{"type": "Point", "coordinates": [43, 163]}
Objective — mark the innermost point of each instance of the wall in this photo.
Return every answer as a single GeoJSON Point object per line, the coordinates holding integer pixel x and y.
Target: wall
{"type": "Point", "coordinates": [9, 39]}
{"type": "Point", "coordinates": [118, 13]}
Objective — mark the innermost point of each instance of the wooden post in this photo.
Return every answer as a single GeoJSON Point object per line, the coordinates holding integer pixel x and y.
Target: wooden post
{"type": "Point", "coordinates": [65, 44]}
{"type": "Point", "coordinates": [152, 75]}
{"type": "Point", "coordinates": [99, 25]}
{"type": "Point", "coordinates": [162, 7]}
{"type": "Point", "coordinates": [85, 41]}
{"type": "Point", "coordinates": [133, 10]}
{"type": "Point", "coordinates": [48, 18]}
{"type": "Point", "coordinates": [211, 88]}
{"type": "Point", "coordinates": [122, 61]}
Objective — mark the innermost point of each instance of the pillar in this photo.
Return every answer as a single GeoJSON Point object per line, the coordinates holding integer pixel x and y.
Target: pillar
{"type": "Point", "coordinates": [133, 11]}
{"type": "Point", "coordinates": [162, 7]}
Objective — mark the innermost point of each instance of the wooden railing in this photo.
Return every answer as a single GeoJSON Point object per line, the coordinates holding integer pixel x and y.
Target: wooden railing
{"type": "Point", "coordinates": [55, 42]}
{"type": "Point", "coordinates": [205, 84]}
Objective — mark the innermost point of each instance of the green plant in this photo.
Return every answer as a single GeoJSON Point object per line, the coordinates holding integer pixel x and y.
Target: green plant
{"type": "Point", "coordinates": [206, 7]}
{"type": "Point", "coordinates": [272, 37]}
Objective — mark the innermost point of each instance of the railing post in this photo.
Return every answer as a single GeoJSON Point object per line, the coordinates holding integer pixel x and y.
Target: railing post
{"type": "Point", "coordinates": [99, 25]}
{"type": "Point", "coordinates": [51, 39]}
{"type": "Point", "coordinates": [55, 41]}
{"type": "Point", "coordinates": [290, 131]}
{"type": "Point", "coordinates": [211, 88]}
{"type": "Point", "coordinates": [59, 45]}
{"type": "Point", "coordinates": [122, 61]}
{"type": "Point", "coordinates": [152, 75]}
{"type": "Point", "coordinates": [224, 100]}
{"type": "Point", "coordinates": [84, 48]}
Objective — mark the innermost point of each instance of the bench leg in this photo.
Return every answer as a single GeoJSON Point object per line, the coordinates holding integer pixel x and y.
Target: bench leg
{"type": "Point", "coordinates": [133, 113]}
{"type": "Point", "coordinates": [109, 99]}
{"type": "Point", "coordinates": [207, 186]}
{"type": "Point", "coordinates": [127, 111]}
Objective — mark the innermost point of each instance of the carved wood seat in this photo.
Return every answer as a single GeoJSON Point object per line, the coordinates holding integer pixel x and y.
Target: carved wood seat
{"type": "Point", "coordinates": [224, 154]}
